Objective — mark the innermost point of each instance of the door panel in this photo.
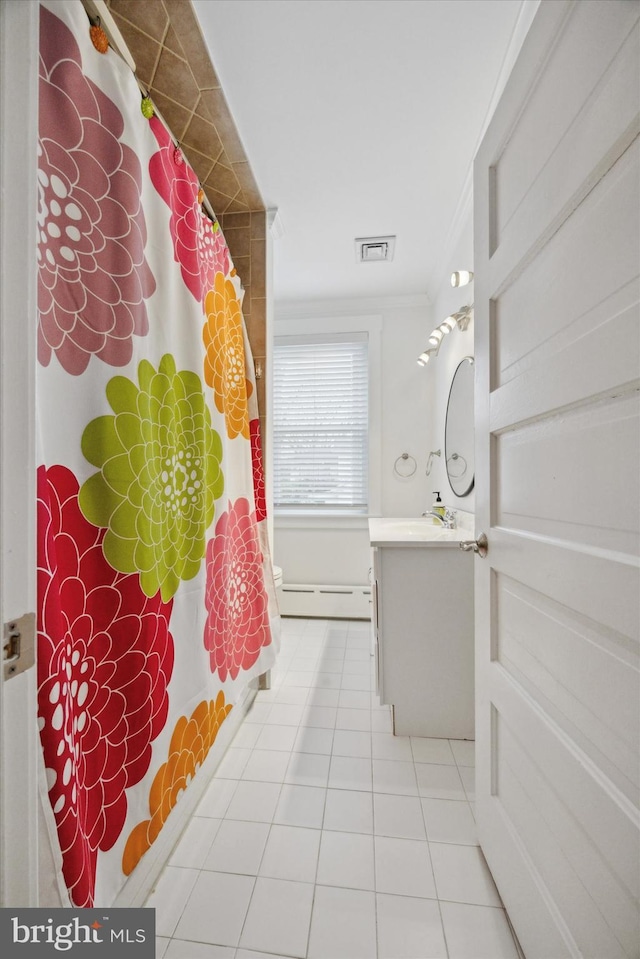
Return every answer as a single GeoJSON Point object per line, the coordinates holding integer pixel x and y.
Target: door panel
{"type": "Point", "coordinates": [557, 208]}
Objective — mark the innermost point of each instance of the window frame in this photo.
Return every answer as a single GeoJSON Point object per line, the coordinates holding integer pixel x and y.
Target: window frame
{"type": "Point", "coordinates": [340, 327]}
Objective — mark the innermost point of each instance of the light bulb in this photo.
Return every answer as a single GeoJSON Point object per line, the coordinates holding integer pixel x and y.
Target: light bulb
{"type": "Point", "coordinates": [449, 323]}
{"type": "Point", "coordinates": [423, 359]}
{"type": "Point", "coordinates": [461, 277]}
{"type": "Point", "coordinates": [436, 337]}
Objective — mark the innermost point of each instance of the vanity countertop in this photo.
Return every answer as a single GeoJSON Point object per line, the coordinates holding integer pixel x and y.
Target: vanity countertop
{"type": "Point", "coordinates": [407, 531]}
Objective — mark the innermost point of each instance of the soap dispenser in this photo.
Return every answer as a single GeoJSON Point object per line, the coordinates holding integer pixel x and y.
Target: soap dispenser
{"type": "Point", "coordinates": [438, 505]}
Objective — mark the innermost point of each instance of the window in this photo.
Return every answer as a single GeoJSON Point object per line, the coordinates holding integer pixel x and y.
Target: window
{"type": "Point", "coordinates": [321, 422]}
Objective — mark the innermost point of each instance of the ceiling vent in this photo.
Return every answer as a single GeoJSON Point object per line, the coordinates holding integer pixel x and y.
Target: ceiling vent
{"type": "Point", "coordinates": [375, 249]}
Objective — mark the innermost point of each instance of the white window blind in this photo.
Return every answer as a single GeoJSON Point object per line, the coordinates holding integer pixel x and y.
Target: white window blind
{"type": "Point", "coordinates": [321, 422]}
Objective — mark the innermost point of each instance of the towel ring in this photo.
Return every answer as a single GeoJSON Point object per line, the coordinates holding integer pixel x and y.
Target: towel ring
{"type": "Point", "coordinates": [457, 457]}
{"type": "Point", "coordinates": [407, 470]}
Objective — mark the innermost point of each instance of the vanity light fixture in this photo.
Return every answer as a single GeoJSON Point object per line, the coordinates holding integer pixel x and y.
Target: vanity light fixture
{"type": "Point", "coordinates": [461, 277]}
{"type": "Point", "coordinates": [461, 319]}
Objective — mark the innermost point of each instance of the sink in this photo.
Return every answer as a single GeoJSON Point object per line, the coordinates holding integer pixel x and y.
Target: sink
{"type": "Point", "coordinates": [422, 531]}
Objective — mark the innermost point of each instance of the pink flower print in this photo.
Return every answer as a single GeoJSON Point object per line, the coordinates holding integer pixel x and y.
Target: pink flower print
{"type": "Point", "coordinates": [258, 471]}
{"type": "Point", "coordinates": [93, 277]}
{"type": "Point", "coordinates": [198, 246]}
{"type": "Point", "coordinates": [237, 624]}
{"type": "Point", "coordinates": [105, 657]}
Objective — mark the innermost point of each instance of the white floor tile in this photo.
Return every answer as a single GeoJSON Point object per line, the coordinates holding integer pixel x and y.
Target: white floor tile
{"type": "Point", "coordinates": [313, 739]}
{"type": "Point", "coordinates": [279, 917]}
{"type": "Point", "coordinates": [195, 843]}
{"type": "Point", "coordinates": [354, 699]}
{"type": "Point", "coordinates": [251, 954]}
{"type": "Point", "coordinates": [348, 811]}
{"type": "Point", "coordinates": [161, 946]}
{"type": "Point", "coordinates": [432, 751]}
{"type": "Point", "coordinates": [409, 928]}
{"type": "Point", "coordinates": [298, 677]}
{"type": "Point", "coordinates": [216, 799]}
{"type": "Point", "coordinates": [323, 697]}
{"type": "Point", "coordinates": [280, 738]}
{"type": "Point", "coordinates": [233, 762]}
{"type": "Point", "coordinates": [439, 782]}
{"type": "Point", "coordinates": [352, 742]}
{"type": "Point", "coordinates": [290, 695]}
{"type": "Point", "coordinates": [357, 655]}
{"type": "Point", "coordinates": [398, 816]}
{"type": "Point", "coordinates": [247, 735]}
{"type": "Point", "coordinates": [350, 681]}
{"type": "Point", "coordinates": [300, 806]}
{"type": "Point", "coordinates": [403, 867]}
{"type": "Point", "coordinates": [468, 777]}
{"type": "Point", "coordinates": [355, 668]}
{"type": "Point", "coordinates": [170, 897]}
{"type": "Point", "coordinates": [216, 909]}
{"type": "Point", "coordinates": [381, 720]}
{"type": "Point", "coordinates": [387, 746]}
{"type": "Point", "coordinates": [462, 875]}
{"type": "Point", "coordinates": [327, 680]}
{"type": "Point", "coordinates": [464, 751]}
{"type": "Point", "coordinates": [353, 719]}
{"type": "Point", "coordinates": [394, 776]}
{"type": "Point", "coordinates": [181, 949]}
{"type": "Point", "coordinates": [266, 765]}
{"type": "Point", "coordinates": [346, 859]}
{"type": "Point", "coordinates": [449, 821]}
{"type": "Point", "coordinates": [238, 847]}
{"type": "Point", "coordinates": [254, 801]}
{"type": "Point", "coordinates": [285, 715]}
{"type": "Point", "coordinates": [291, 853]}
{"type": "Point", "coordinates": [321, 716]}
{"type": "Point", "coordinates": [343, 924]}
{"type": "Point", "coordinates": [350, 773]}
{"type": "Point", "coordinates": [477, 932]}
{"type": "Point", "coordinates": [258, 712]}
{"type": "Point", "coordinates": [308, 769]}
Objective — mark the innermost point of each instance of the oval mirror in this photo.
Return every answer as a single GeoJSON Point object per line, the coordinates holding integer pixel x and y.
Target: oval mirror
{"type": "Point", "coordinates": [459, 430]}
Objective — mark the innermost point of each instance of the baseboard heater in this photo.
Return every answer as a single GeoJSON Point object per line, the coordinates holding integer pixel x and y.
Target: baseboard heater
{"type": "Point", "coordinates": [325, 602]}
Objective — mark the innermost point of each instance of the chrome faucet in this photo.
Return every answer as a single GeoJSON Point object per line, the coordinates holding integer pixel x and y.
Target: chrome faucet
{"type": "Point", "coordinates": [448, 520]}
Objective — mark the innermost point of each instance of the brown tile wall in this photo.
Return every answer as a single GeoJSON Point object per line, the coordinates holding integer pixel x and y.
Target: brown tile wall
{"type": "Point", "coordinates": [174, 65]}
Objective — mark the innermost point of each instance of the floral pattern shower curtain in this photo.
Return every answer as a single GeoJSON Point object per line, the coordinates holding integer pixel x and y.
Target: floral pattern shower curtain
{"type": "Point", "coordinates": [154, 580]}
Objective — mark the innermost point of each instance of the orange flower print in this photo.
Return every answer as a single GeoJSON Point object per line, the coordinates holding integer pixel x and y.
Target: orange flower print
{"type": "Point", "coordinates": [190, 744]}
{"type": "Point", "coordinates": [224, 366]}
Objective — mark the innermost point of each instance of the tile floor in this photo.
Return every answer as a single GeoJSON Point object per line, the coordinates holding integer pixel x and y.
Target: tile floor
{"type": "Point", "coordinates": [323, 836]}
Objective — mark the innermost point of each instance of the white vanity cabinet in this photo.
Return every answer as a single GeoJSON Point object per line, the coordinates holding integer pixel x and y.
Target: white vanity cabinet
{"type": "Point", "coordinates": [423, 627]}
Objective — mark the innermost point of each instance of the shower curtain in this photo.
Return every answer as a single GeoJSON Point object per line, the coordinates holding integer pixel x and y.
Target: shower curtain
{"type": "Point", "coordinates": [155, 592]}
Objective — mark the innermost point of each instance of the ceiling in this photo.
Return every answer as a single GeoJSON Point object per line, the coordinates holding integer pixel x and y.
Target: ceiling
{"type": "Point", "coordinates": [361, 118]}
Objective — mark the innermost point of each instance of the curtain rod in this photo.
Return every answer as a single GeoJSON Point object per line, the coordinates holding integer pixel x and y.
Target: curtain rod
{"type": "Point", "coordinates": [98, 9]}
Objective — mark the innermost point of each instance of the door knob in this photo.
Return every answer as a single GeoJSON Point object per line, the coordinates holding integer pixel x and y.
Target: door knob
{"type": "Point", "coordinates": [479, 545]}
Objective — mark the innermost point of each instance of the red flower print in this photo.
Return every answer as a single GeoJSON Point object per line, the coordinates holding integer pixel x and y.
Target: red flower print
{"type": "Point", "coordinates": [93, 277]}
{"type": "Point", "coordinates": [237, 624]}
{"type": "Point", "coordinates": [258, 471]}
{"type": "Point", "coordinates": [105, 657]}
{"type": "Point", "coordinates": [198, 246]}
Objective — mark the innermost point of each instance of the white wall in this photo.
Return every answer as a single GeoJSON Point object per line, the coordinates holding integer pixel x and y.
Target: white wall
{"type": "Point", "coordinates": [336, 550]}
{"type": "Point", "coordinates": [455, 346]}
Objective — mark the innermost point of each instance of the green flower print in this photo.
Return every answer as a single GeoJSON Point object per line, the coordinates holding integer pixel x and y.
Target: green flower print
{"type": "Point", "coordinates": [159, 460]}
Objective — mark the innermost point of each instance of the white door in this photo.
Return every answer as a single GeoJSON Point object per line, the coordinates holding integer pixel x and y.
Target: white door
{"type": "Point", "coordinates": [557, 257]}
{"type": "Point", "coordinates": [19, 747]}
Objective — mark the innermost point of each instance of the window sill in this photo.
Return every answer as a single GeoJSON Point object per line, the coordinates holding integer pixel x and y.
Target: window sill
{"type": "Point", "coordinates": [313, 519]}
